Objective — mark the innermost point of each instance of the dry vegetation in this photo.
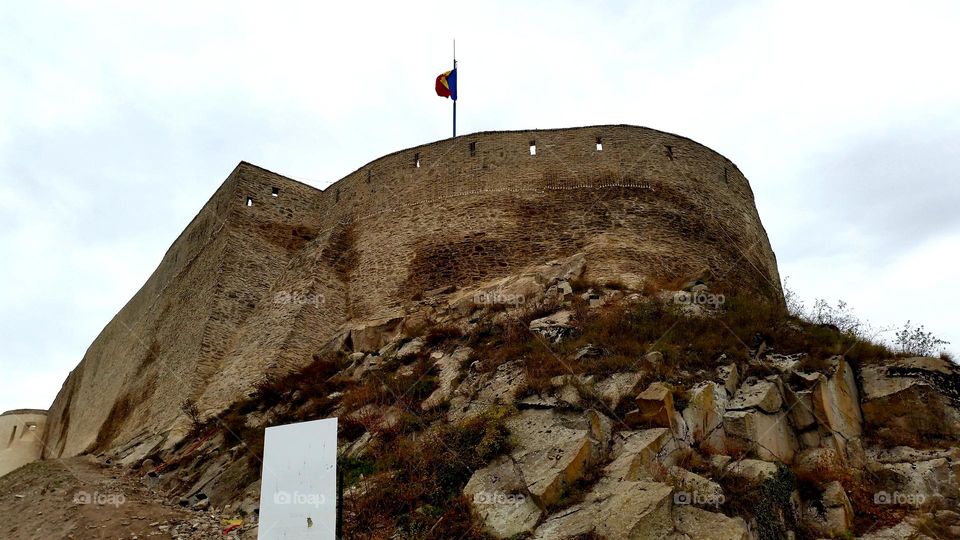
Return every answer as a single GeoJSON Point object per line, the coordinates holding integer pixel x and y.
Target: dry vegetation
{"type": "Point", "coordinates": [409, 480]}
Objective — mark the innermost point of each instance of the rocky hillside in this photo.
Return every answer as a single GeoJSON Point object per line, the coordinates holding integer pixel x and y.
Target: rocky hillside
{"type": "Point", "coordinates": [546, 406]}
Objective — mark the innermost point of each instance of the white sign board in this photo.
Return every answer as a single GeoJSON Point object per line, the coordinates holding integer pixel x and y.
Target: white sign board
{"type": "Point", "coordinates": [298, 490]}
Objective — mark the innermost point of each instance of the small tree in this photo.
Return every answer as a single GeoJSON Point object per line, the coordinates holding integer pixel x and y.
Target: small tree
{"type": "Point", "coordinates": [189, 408]}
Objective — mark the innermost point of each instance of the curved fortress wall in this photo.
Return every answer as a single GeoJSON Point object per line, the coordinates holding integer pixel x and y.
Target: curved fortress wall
{"type": "Point", "coordinates": [21, 440]}
{"type": "Point", "coordinates": [253, 288]}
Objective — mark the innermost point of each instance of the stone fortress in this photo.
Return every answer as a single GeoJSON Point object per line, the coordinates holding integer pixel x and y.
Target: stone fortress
{"type": "Point", "coordinates": [271, 270]}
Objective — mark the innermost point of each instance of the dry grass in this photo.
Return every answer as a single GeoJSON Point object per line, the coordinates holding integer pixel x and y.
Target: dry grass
{"type": "Point", "coordinates": [440, 334]}
{"type": "Point", "coordinates": [417, 482]}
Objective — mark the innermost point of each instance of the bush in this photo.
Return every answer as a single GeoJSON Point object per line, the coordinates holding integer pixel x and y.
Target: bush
{"type": "Point", "coordinates": [190, 409]}
{"type": "Point", "coordinates": [915, 341]}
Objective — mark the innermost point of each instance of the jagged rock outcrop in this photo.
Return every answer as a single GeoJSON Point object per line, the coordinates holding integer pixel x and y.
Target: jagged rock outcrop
{"type": "Point", "coordinates": [624, 510]}
{"type": "Point", "coordinates": [501, 498]}
{"type": "Point", "coordinates": [913, 397]}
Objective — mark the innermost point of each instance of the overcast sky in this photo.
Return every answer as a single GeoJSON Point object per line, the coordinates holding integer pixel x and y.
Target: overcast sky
{"type": "Point", "coordinates": [118, 121]}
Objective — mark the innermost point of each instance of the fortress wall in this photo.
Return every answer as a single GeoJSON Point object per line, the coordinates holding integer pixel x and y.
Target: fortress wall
{"type": "Point", "coordinates": [171, 337]}
{"type": "Point", "coordinates": [159, 325]}
{"type": "Point", "coordinates": [649, 205]}
{"type": "Point", "coordinates": [305, 306]}
{"type": "Point", "coordinates": [258, 243]}
{"type": "Point", "coordinates": [21, 438]}
{"type": "Point", "coordinates": [700, 214]}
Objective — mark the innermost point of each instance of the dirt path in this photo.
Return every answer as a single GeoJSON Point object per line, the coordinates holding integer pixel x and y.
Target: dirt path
{"type": "Point", "coordinates": [80, 499]}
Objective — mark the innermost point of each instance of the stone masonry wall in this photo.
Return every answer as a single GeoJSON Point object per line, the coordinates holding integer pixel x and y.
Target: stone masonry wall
{"type": "Point", "coordinates": [21, 439]}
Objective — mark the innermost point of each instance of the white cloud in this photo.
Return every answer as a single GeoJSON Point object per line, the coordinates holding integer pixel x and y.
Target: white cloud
{"type": "Point", "coordinates": [120, 119]}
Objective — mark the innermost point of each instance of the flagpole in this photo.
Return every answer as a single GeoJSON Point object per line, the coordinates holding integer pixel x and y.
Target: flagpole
{"type": "Point", "coordinates": [454, 101]}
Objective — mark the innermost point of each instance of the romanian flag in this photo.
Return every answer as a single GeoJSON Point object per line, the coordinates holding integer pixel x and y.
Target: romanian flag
{"type": "Point", "coordinates": [447, 84]}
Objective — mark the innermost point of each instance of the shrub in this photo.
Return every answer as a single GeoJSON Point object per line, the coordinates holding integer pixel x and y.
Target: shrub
{"type": "Point", "coordinates": [916, 342]}
{"type": "Point", "coordinates": [440, 334]}
{"type": "Point", "coordinates": [189, 408]}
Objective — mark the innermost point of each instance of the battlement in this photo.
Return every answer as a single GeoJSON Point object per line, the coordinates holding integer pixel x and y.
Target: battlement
{"type": "Point", "coordinates": [497, 160]}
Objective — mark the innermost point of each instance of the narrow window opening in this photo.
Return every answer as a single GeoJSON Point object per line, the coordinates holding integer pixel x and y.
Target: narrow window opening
{"type": "Point", "coordinates": [369, 174]}
{"type": "Point", "coordinates": [249, 201]}
{"type": "Point", "coordinates": [275, 192]}
{"type": "Point", "coordinates": [337, 195]}
{"type": "Point", "coordinates": [12, 436]}
{"type": "Point", "coordinates": [669, 151]}
{"type": "Point", "coordinates": [599, 144]}
{"type": "Point", "coordinates": [416, 160]}
{"type": "Point", "coordinates": [533, 148]}
{"type": "Point", "coordinates": [473, 149]}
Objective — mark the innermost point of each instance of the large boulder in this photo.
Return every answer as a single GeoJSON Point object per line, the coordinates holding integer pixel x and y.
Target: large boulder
{"type": "Point", "coordinates": [554, 450]}
{"type": "Point", "coordinates": [644, 454]}
{"type": "Point", "coordinates": [498, 496]}
{"type": "Point", "coordinates": [615, 510]}
{"type": "Point", "coordinates": [655, 405]}
{"type": "Point", "coordinates": [554, 327]}
{"type": "Point", "coordinates": [916, 477]}
{"type": "Point", "coordinates": [729, 377]}
{"type": "Point", "coordinates": [614, 389]}
{"type": "Point", "coordinates": [836, 402]}
{"type": "Point", "coordinates": [819, 465]}
{"type": "Point", "coordinates": [372, 335]}
{"type": "Point", "coordinates": [799, 405]}
{"type": "Point", "coordinates": [766, 436]}
{"type": "Point", "coordinates": [449, 367]}
{"type": "Point", "coordinates": [696, 524]}
{"type": "Point", "coordinates": [691, 488]}
{"type": "Point", "coordinates": [480, 391]}
{"type": "Point", "coordinates": [704, 416]}
{"type": "Point", "coordinates": [912, 397]}
{"type": "Point", "coordinates": [757, 394]}
{"type": "Point", "coordinates": [410, 349]}
{"type": "Point", "coordinates": [752, 471]}
{"type": "Point", "coordinates": [831, 515]}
